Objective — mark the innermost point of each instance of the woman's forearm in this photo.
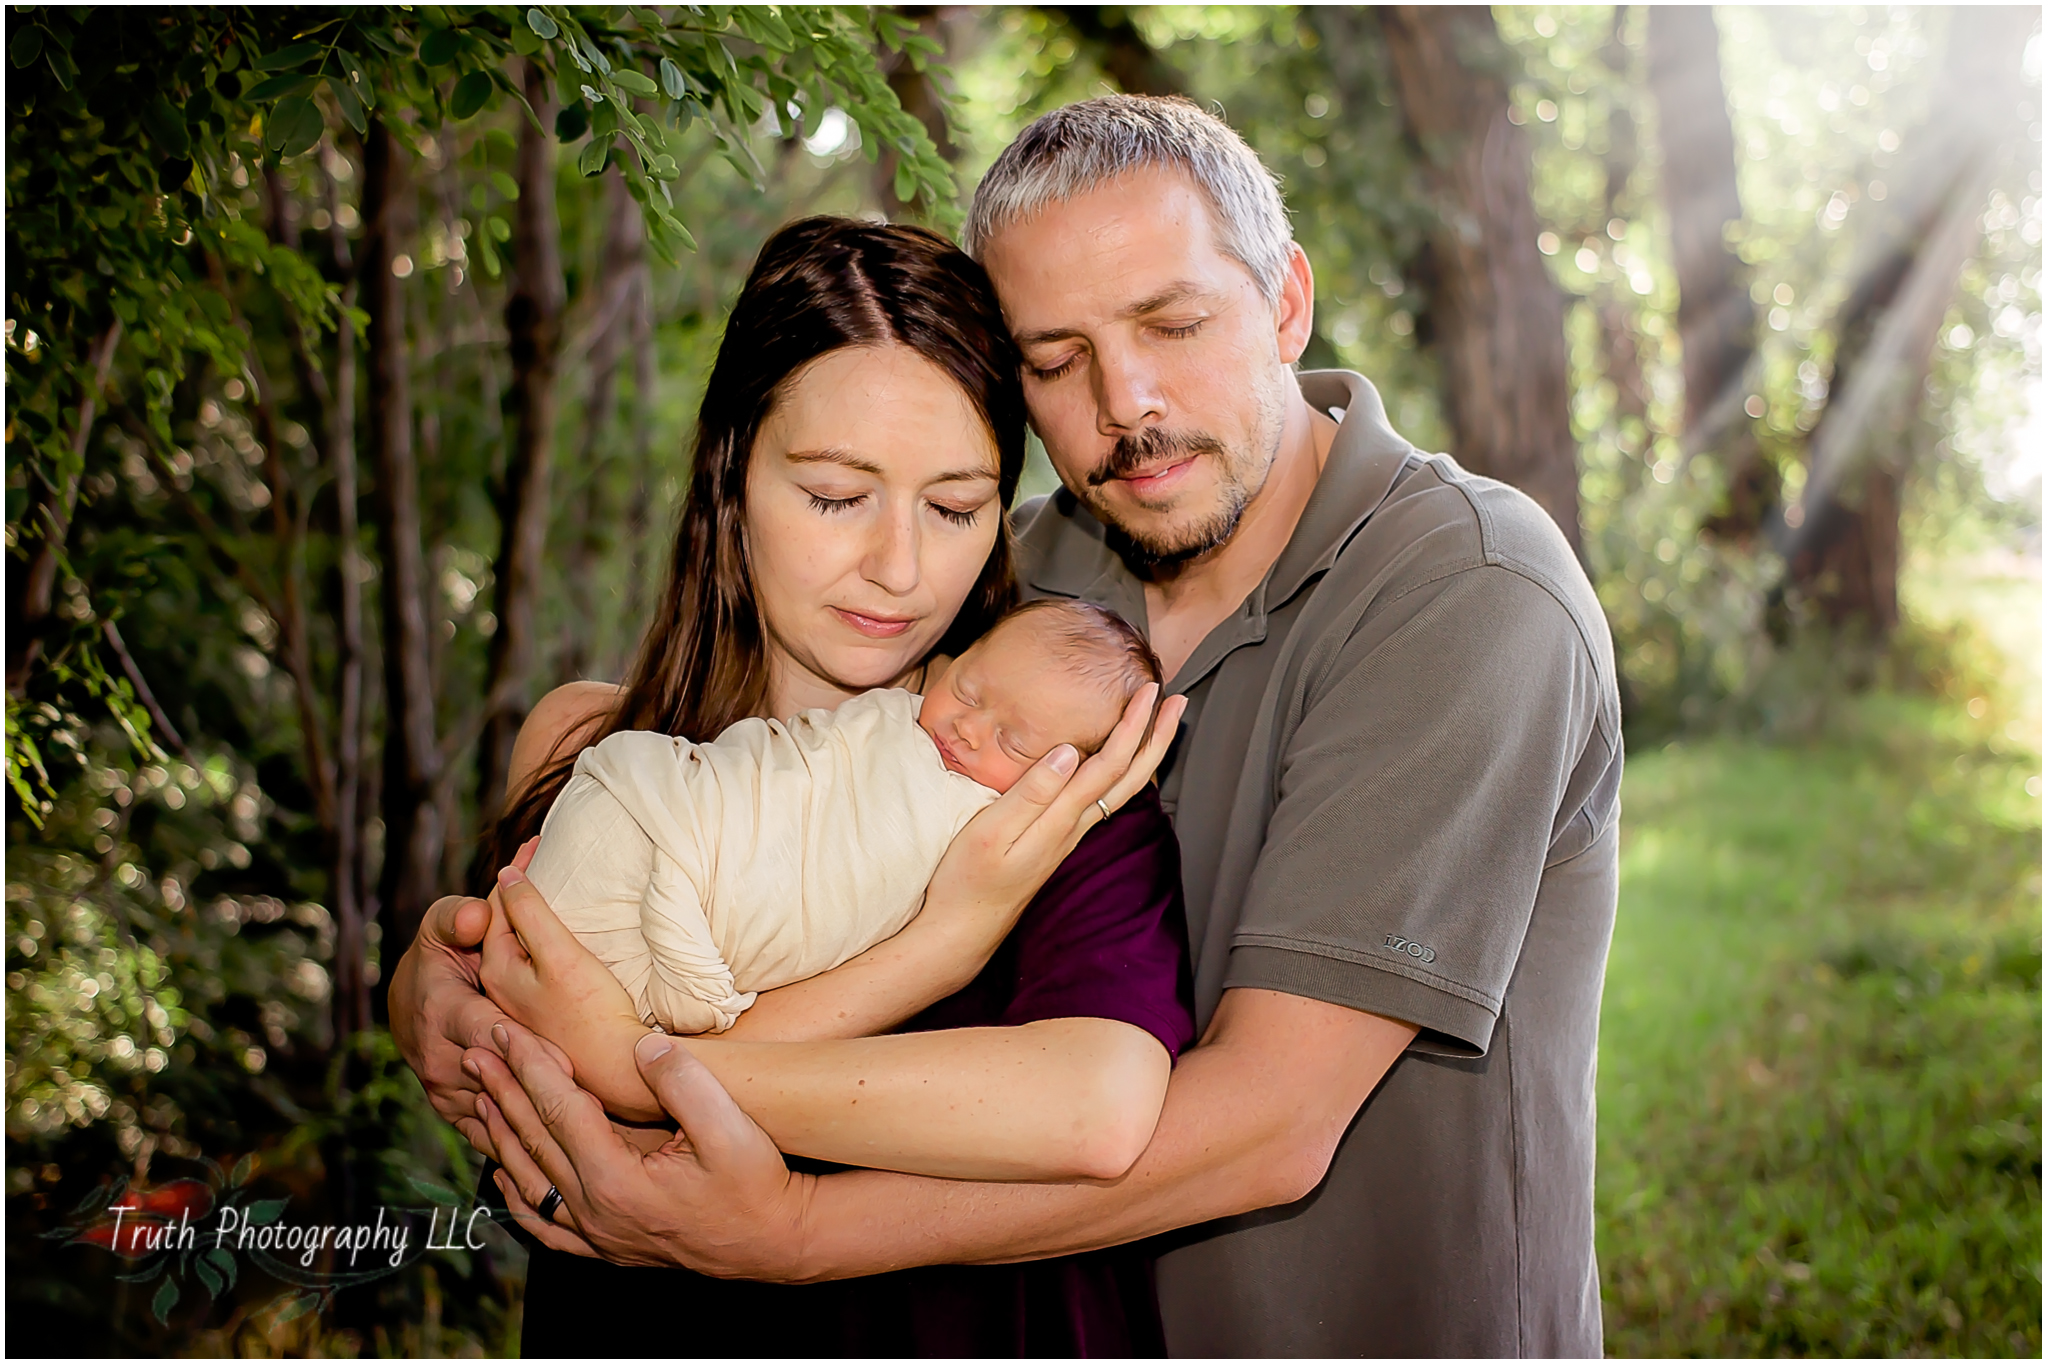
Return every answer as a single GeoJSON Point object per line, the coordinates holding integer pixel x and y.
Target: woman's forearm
{"type": "Point", "coordinates": [1067, 1098]}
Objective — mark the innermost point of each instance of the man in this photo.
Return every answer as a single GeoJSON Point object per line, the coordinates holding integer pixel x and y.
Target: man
{"type": "Point", "coordinates": [1396, 790]}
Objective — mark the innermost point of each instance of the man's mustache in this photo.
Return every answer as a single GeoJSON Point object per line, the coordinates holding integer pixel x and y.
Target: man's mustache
{"type": "Point", "coordinates": [1152, 446]}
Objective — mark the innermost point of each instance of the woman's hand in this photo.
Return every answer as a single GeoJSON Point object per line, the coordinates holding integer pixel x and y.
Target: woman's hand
{"type": "Point", "coordinates": [537, 971]}
{"type": "Point", "coordinates": [998, 862]}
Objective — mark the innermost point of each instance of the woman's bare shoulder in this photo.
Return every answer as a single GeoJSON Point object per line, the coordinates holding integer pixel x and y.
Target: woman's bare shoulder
{"type": "Point", "coordinates": [561, 722]}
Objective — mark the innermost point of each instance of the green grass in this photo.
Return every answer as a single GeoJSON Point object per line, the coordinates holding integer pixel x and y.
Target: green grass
{"type": "Point", "coordinates": [1820, 1049]}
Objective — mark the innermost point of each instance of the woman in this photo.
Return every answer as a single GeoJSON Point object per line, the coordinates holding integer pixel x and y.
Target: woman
{"type": "Point", "coordinates": [861, 434]}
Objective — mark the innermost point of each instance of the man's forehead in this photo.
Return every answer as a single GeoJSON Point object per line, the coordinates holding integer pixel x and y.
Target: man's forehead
{"type": "Point", "coordinates": [1142, 241]}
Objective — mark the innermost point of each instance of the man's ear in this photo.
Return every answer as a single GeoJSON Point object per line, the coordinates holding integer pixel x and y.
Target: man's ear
{"type": "Point", "coordinates": [1295, 312]}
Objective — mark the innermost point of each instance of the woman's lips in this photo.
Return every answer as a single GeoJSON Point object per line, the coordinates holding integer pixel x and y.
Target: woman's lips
{"type": "Point", "coordinates": [874, 627]}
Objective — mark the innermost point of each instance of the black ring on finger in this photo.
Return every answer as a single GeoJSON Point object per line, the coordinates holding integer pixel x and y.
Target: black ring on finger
{"type": "Point", "coordinates": [551, 1201]}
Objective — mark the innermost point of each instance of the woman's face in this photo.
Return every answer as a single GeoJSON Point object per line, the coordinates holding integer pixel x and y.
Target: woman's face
{"type": "Point", "coordinates": [871, 507]}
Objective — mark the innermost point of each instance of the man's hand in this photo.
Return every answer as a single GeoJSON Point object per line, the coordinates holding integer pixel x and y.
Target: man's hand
{"type": "Point", "coordinates": [438, 1008]}
{"type": "Point", "coordinates": [628, 1207]}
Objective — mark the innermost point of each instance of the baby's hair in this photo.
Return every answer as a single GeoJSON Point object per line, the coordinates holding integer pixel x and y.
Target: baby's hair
{"type": "Point", "coordinates": [1101, 645]}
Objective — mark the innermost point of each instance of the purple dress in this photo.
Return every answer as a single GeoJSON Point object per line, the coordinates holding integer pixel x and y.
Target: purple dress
{"type": "Point", "coordinates": [1104, 938]}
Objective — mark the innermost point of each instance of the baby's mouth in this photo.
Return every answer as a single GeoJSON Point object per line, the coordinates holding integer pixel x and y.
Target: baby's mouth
{"type": "Point", "coordinates": [948, 756]}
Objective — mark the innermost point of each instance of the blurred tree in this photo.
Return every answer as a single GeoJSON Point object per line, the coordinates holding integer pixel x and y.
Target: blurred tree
{"type": "Point", "coordinates": [1495, 317]}
{"type": "Point", "coordinates": [1842, 546]}
{"type": "Point", "coordinates": [1716, 319]}
{"type": "Point", "coordinates": [533, 323]}
{"type": "Point", "coordinates": [1113, 41]}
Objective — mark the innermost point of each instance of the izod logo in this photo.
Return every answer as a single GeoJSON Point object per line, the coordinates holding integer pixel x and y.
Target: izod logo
{"type": "Point", "coordinates": [1412, 949]}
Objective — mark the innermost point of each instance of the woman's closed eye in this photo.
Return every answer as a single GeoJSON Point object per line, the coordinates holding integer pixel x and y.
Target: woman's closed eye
{"type": "Point", "coordinates": [829, 505]}
{"type": "Point", "coordinates": [958, 516]}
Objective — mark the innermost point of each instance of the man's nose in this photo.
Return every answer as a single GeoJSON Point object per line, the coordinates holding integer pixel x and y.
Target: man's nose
{"type": "Point", "coordinates": [1127, 392]}
{"type": "Point", "coordinates": [891, 562]}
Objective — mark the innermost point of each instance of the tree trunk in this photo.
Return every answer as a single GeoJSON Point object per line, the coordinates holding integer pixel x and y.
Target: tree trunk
{"type": "Point", "coordinates": [39, 581]}
{"type": "Point", "coordinates": [1716, 319]}
{"type": "Point", "coordinates": [412, 758]}
{"type": "Point", "coordinates": [1842, 540]}
{"type": "Point", "coordinates": [920, 99]}
{"type": "Point", "coordinates": [533, 317]}
{"type": "Point", "coordinates": [1620, 341]}
{"type": "Point", "coordinates": [622, 284]}
{"type": "Point", "coordinates": [1495, 318]}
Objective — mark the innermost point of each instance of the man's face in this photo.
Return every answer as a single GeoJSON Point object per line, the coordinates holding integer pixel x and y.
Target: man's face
{"type": "Point", "coordinates": [1155, 371]}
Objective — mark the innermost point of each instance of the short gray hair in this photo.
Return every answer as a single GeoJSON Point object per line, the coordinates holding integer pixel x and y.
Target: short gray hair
{"type": "Point", "coordinates": [1080, 147]}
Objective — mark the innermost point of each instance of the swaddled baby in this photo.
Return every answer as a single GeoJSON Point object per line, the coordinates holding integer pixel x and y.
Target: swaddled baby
{"type": "Point", "coordinates": [701, 874]}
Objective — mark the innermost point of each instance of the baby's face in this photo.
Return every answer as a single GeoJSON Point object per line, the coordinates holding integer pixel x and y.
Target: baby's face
{"type": "Point", "coordinates": [1005, 704]}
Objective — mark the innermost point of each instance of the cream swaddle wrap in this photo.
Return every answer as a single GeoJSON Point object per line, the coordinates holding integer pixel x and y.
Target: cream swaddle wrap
{"type": "Point", "coordinates": [704, 873]}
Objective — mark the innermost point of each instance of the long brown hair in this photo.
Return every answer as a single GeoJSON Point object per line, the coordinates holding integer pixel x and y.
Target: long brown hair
{"type": "Point", "coordinates": [819, 285]}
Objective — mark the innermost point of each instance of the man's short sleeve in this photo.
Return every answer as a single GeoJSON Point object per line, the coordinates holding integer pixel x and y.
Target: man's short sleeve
{"type": "Point", "coordinates": [1419, 797]}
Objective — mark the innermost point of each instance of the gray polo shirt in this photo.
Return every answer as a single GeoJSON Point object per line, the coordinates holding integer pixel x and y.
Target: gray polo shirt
{"type": "Point", "coordinates": [1397, 789]}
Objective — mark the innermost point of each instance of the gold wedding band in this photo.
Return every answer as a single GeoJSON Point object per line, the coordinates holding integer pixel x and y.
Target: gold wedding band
{"type": "Point", "coordinates": [1100, 805]}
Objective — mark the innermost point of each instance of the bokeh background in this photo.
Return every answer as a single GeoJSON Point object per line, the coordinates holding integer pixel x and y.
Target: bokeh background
{"type": "Point", "coordinates": [303, 514]}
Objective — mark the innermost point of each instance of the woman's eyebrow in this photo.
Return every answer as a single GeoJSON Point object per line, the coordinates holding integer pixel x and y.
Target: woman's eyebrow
{"type": "Point", "coordinates": [835, 455]}
{"type": "Point", "coordinates": [967, 476]}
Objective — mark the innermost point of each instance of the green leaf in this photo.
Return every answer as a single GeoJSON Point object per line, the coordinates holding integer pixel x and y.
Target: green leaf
{"type": "Point", "coordinates": [573, 121]}
{"type": "Point", "coordinates": [167, 127]}
{"type": "Point", "coordinates": [906, 182]}
{"type": "Point", "coordinates": [441, 46]}
{"type": "Point", "coordinates": [166, 1298]}
{"type": "Point", "coordinates": [506, 186]}
{"type": "Point", "coordinates": [61, 66]}
{"type": "Point", "coordinates": [298, 1307]}
{"type": "Point", "coordinates": [472, 92]}
{"type": "Point", "coordinates": [277, 87]}
{"type": "Point", "coordinates": [351, 107]}
{"type": "Point", "coordinates": [264, 1211]}
{"type": "Point", "coordinates": [664, 168]}
{"type": "Point", "coordinates": [633, 83]}
{"type": "Point", "coordinates": [244, 1168]}
{"type": "Point", "coordinates": [541, 24]}
{"type": "Point", "coordinates": [672, 79]}
{"type": "Point", "coordinates": [499, 229]}
{"type": "Point", "coordinates": [209, 1276]}
{"type": "Point", "coordinates": [525, 41]}
{"type": "Point", "coordinates": [222, 1261]}
{"type": "Point", "coordinates": [27, 45]}
{"type": "Point", "coordinates": [591, 162]}
{"type": "Point", "coordinates": [490, 255]}
{"type": "Point", "coordinates": [285, 58]}
{"type": "Point", "coordinates": [447, 1198]}
{"type": "Point", "coordinates": [295, 125]}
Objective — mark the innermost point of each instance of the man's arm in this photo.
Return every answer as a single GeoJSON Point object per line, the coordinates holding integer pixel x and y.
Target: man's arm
{"type": "Point", "coordinates": [1252, 1119]}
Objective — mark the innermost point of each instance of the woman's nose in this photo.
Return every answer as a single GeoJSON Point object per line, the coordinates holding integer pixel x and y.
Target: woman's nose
{"type": "Point", "coordinates": [892, 557]}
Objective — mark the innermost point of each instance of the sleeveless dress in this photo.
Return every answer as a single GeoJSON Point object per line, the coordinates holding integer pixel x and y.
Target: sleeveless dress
{"type": "Point", "coordinates": [1104, 938]}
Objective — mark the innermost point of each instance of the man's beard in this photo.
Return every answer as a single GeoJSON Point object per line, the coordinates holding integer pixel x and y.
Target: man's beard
{"type": "Point", "coordinates": [1239, 476]}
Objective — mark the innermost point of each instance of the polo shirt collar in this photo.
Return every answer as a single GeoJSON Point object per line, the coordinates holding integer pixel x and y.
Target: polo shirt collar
{"type": "Point", "coordinates": [1365, 456]}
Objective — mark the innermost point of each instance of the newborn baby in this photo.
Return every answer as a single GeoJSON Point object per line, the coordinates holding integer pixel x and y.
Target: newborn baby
{"type": "Point", "coordinates": [701, 874]}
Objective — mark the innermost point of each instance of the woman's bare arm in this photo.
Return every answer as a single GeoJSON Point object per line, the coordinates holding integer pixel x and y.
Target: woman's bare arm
{"type": "Point", "coordinates": [1068, 1098]}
